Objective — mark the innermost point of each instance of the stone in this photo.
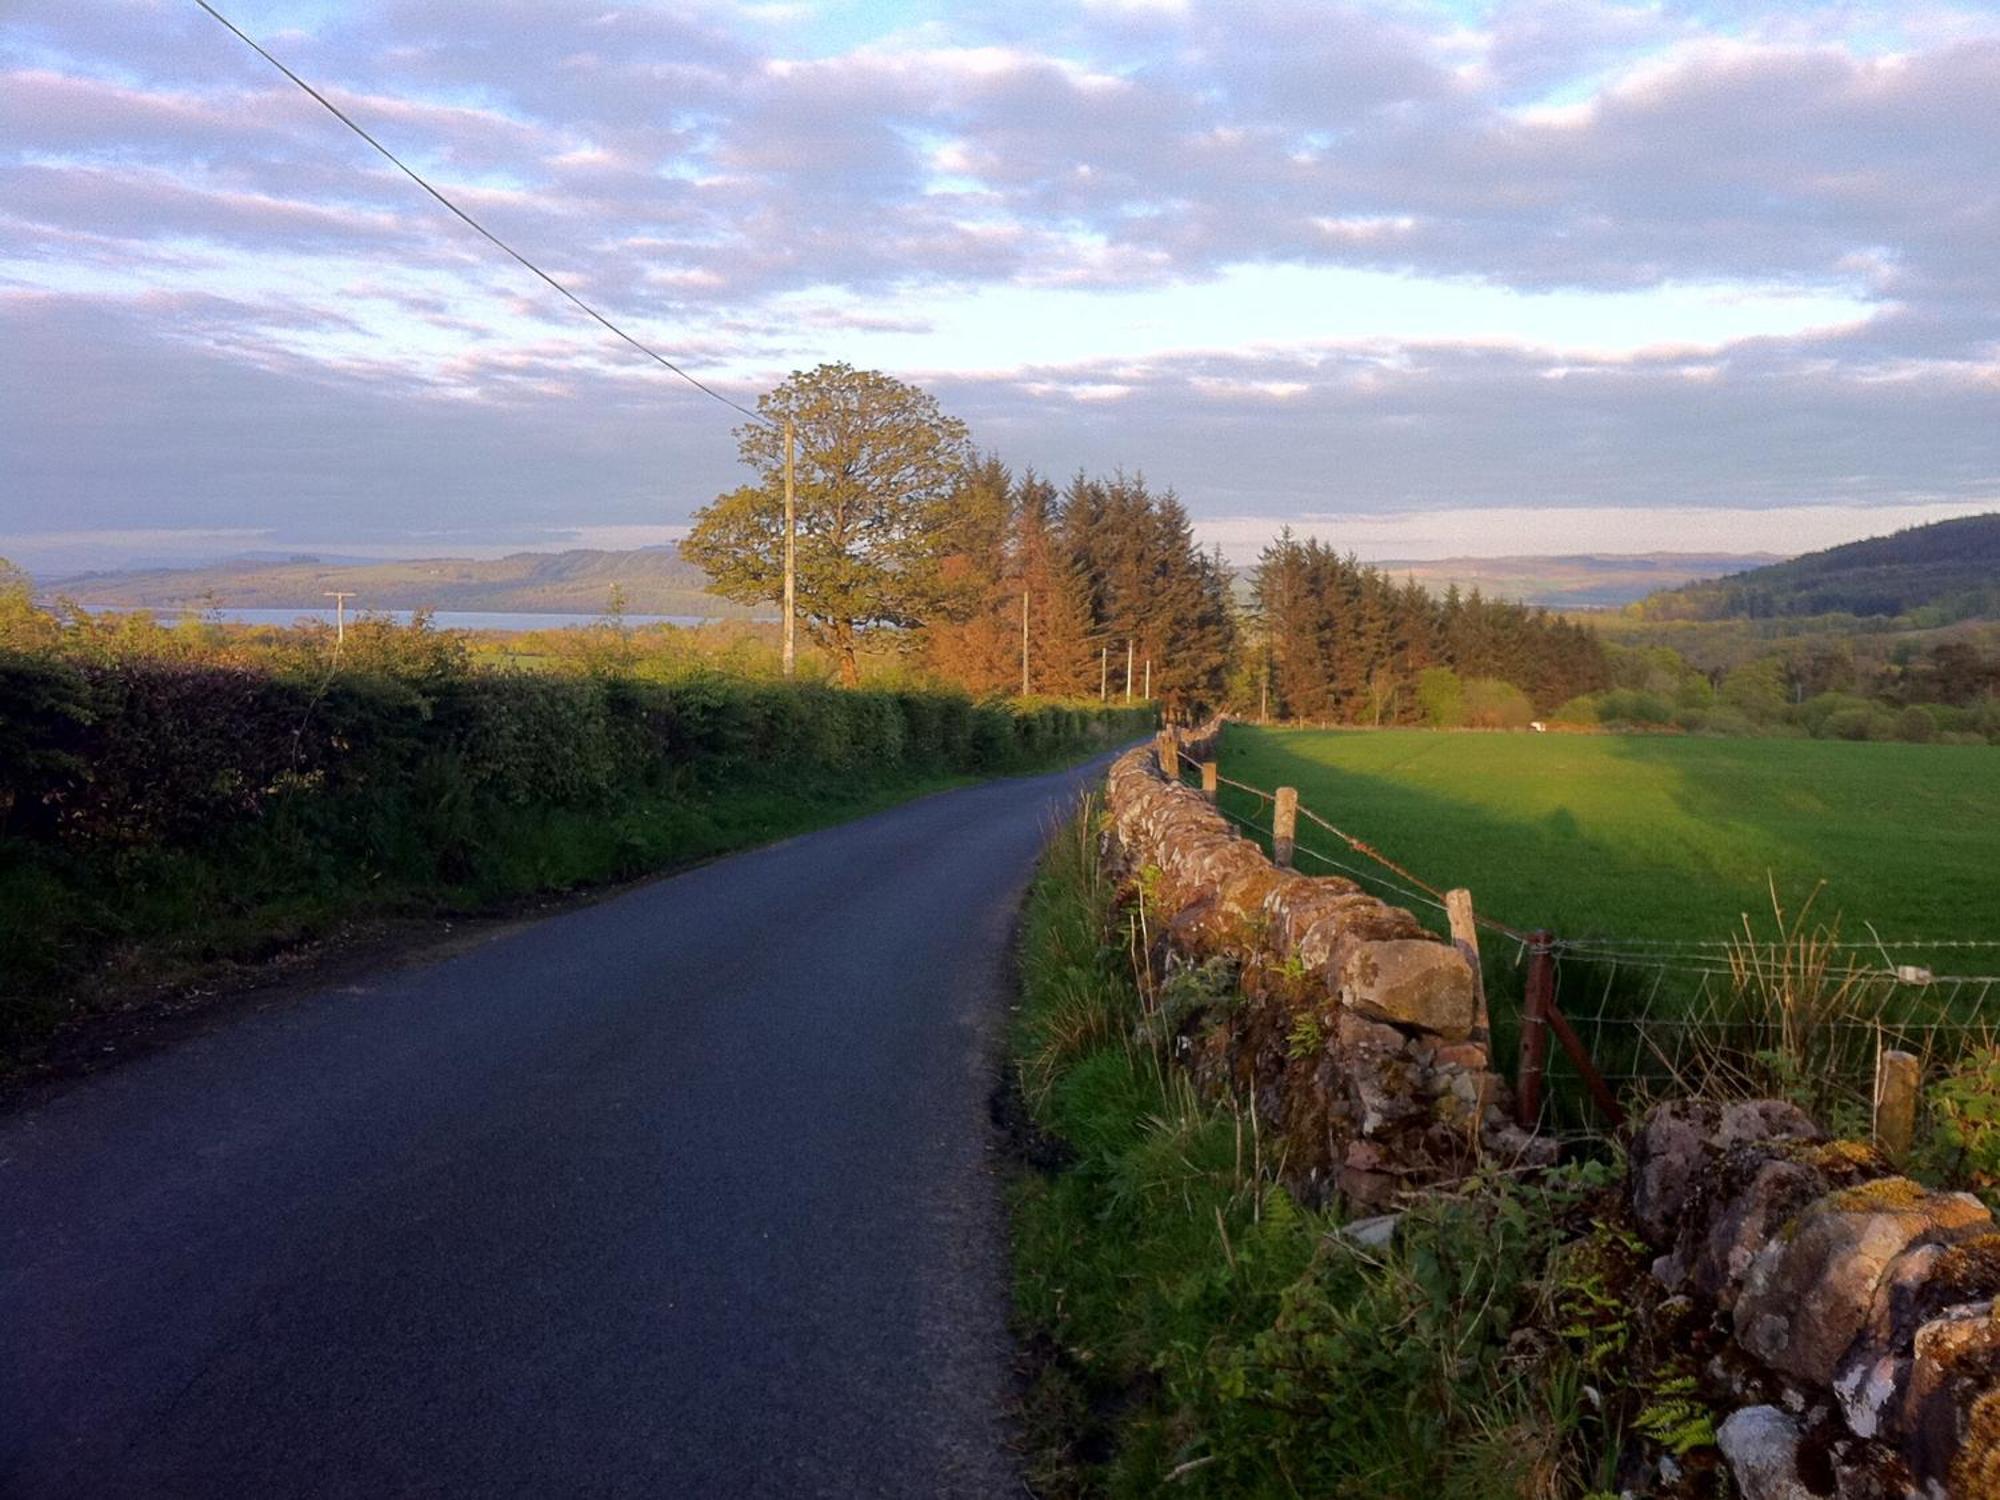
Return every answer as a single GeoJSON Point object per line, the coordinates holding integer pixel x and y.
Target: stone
{"type": "Point", "coordinates": [1675, 1149]}
{"type": "Point", "coordinates": [1950, 1417]}
{"type": "Point", "coordinates": [1471, 1056]}
{"type": "Point", "coordinates": [1811, 1291]}
{"type": "Point", "coordinates": [1376, 1232]}
{"type": "Point", "coordinates": [1514, 1149]}
{"type": "Point", "coordinates": [1761, 1444]}
{"type": "Point", "coordinates": [1720, 1245]}
{"type": "Point", "coordinates": [1411, 982]}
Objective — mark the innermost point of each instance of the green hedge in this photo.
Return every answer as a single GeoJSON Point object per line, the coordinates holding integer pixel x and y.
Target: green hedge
{"type": "Point", "coordinates": [164, 802]}
{"type": "Point", "coordinates": [168, 753]}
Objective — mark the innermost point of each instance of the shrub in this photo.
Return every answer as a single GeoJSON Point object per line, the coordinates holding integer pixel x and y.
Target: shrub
{"type": "Point", "coordinates": [1633, 706]}
{"type": "Point", "coordinates": [154, 798]}
{"type": "Point", "coordinates": [1916, 725]}
{"type": "Point", "coordinates": [1493, 704]}
{"type": "Point", "coordinates": [1441, 696]}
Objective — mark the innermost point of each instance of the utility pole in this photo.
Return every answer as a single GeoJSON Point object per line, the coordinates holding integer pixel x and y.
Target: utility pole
{"type": "Point", "coordinates": [1149, 679]}
{"type": "Point", "coordinates": [791, 558]}
{"type": "Point", "coordinates": [1103, 673]}
{"type": "Point", "coordinates": [339, 614]}
{"type": "Point", "coordinates": [1024, 638]}
{"type": "Point", "coordinates": [1128, 669]}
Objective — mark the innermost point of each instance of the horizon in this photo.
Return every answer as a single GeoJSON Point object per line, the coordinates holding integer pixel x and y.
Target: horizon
{"type": "Point", "coordinates": [1426, 280]}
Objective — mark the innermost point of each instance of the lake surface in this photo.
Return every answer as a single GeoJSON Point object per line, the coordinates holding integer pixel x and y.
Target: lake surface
{"type": "Point", "coordinates": [462, 619]}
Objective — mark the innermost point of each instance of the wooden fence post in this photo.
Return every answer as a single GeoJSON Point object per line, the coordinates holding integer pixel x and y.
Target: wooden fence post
{"type": "Point", "coordinates": [1285, 826]}
{"type": "Point", "coordinates": [1208, 787]}
{"type": "Point", "coordinates": [1465, 937]}
{"type": "Point", "coordinates": [1170, 756]}
{"type": "Point", "coordinates": [1896, 1075]}
{"type": "Point", "coordinates": [1535, 1028]}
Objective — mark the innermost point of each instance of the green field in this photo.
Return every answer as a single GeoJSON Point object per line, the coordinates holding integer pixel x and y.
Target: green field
{"type": "Point", "coordinates": [1653, 837]}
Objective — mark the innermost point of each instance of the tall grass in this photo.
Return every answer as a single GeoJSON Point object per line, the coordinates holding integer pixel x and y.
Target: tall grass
{"type": "Point", "coordinates": [1190, 1329]}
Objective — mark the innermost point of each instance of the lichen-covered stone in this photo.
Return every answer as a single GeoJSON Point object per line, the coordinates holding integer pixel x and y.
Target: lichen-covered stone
{"type": "Point", "coordinates": [1810, 1292]}
{"type": "Point", "coordinates": [1677, 1146]}
{"type": "Point", "coordinates": [1950, 1417]}
{"type": "Point", "coordinates": [1423, 984]}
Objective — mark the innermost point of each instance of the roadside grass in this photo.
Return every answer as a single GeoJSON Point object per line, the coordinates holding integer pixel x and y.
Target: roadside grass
{"type": "Point", "coordinates": [83, 938]}
{"type": "Point", "coordinates": [1658, 837]}
{"type": "Point", "coordinates": [1188, 1328]}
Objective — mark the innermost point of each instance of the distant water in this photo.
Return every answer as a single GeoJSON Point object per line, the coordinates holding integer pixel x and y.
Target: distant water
{"type": "Point", "coordinates": [462, 619]}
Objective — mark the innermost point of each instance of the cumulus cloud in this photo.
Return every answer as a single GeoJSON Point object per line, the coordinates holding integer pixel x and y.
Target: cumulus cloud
{"type": "Point", "coordinates": [190, 250]}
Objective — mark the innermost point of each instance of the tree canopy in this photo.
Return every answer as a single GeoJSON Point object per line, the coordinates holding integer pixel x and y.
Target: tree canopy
{"type": "Point", "coordinates": [876, 467]}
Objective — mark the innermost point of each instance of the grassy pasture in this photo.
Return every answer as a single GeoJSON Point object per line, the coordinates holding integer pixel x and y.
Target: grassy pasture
{"type": "Point", "coordinates": [1655, 837]}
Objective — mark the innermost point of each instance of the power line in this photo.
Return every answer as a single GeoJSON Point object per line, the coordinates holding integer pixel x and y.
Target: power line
{"type": "Point", "coordinates": [333, 109]}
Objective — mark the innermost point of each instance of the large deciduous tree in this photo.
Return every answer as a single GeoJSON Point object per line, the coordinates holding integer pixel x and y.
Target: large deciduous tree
{"type": "Point", "coordinates": [876, 467]}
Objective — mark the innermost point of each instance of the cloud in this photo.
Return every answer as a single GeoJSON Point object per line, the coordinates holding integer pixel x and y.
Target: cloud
{"type": "Point", "coordinates": [1570, 252]}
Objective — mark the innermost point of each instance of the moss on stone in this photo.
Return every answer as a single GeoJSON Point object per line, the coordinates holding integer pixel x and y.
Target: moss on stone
{"type": "Point", "coordinates": [1885, 1195]}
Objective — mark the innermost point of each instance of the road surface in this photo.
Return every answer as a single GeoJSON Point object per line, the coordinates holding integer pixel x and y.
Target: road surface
{"type": "Point", "coordinates": [685, 1193]}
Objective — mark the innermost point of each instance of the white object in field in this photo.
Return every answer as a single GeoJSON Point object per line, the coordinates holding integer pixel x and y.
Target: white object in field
{"type": "Point", "coordinates": [1913, 974]}
{"type": "Point", "coordinates": [1539, 727]}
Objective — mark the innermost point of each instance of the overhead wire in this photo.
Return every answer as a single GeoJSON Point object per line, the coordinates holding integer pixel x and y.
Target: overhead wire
{"type": "Point", "coordinates": [400, 165]}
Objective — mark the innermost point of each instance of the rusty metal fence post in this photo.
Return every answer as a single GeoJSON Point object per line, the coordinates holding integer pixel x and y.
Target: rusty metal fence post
{"type": "Point", "coordinates": [1535, 1027]}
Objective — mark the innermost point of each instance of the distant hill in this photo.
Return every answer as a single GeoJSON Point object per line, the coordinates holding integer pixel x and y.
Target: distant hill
{"type": "Point", "coordinates": [656, 581]}
{"type": "Point", "coordinates": [1588, 580]}
{"type": "Point", "coordinates": [1935, 574]}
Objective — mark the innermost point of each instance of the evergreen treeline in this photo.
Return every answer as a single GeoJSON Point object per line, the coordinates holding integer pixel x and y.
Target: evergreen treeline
{"type": "Point", "coordinates": [1109, 571]}
{"type": "Point", "coordinates": [1337, 640]}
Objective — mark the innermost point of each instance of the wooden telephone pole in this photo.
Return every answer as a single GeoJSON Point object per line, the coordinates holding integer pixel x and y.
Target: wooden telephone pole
{"type": "Point", "coordinates": [1024, 638]}
{"type": "Point", "coordinates": [1128, 669]}
{"type": "Point", "coordinates": [339, 615]}
{"type": "Point", "coordinates": [1103, 673]}
{"type": "Point", "coordinates": [791, 558]}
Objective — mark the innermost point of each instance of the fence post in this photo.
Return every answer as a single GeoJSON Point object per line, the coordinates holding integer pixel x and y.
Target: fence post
{"type": "Point", "coordinates": [1284, 826]}
{"type": "Point", "coordinates": [1465, 937]}
{"type": "Point", "coordinates": [1208, 788]}
{"type": "Point", "coordinates": [1170, 755]}
{"type": "Point", "coordinates": [1896, 1075]}
{"type": "Point", "coordinates": [1535, 1027]}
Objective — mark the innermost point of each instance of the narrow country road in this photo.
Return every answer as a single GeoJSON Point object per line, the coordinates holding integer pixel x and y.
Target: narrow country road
{"type": "Point", "coordinates": [685, 1193]}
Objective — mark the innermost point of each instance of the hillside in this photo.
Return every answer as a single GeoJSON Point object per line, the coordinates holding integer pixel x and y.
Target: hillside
{"type": "Point", "coordinates": [1591, 580]}
{"type": "Point", "coordinates": [1935, 574]}
{"type": "Point", "coordinates": [655, 580]}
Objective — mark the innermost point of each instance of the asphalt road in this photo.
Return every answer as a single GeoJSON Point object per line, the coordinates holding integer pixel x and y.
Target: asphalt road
{"type": "Point", "coordinates": [685, 1193]}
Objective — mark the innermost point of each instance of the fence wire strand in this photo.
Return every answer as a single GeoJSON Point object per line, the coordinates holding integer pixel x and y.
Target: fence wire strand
{"type": "Point", "coordinates": [1714, 1015]}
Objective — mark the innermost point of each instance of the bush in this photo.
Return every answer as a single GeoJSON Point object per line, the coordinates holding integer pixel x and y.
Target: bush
{"type": "Point", "coordinates": [1441, 696]}
{"type": "Point", "coordinates": [1493, 704]}
{"type": "Point", "coordinates": [1633, 706]}
{"type": "Point", "coordinates": [151, 799]}
{"type": "Point", "coordinates": [1916, 725]}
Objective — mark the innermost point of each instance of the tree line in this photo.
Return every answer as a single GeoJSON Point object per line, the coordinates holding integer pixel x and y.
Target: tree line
{"type": "Point", "coordinates": [1336, 639]}
{"type": "Point", "coordinates": [995, 581]}
{"type": "Point", "coordinates": [1003, 582]}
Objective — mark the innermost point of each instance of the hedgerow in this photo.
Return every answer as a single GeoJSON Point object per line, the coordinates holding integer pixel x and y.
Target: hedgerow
{"type": "Point", "coordinates": [155, 801]}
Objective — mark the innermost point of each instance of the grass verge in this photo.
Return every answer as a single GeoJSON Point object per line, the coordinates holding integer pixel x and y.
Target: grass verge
{"type": "Point", "coordinates": [1187, 1328]}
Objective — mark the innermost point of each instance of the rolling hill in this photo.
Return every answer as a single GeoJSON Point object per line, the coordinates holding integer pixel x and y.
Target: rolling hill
{"type": "Point", "coordinates": [655, 580]}
{"type": "Point", "coordinates": [1589, 580]}
{"type": "Point", "coordinates": [1935, 574]}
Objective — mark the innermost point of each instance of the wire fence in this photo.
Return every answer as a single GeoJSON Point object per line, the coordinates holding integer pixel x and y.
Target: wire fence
{"type": "Point", "coordinates": [1805, 1014]}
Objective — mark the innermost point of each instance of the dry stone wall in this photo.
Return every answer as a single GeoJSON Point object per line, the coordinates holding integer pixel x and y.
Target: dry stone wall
{"type": "Point", "coordinates": [1854, 1310]}
{"type": "Point", "coordinates": [1355, 1031]}
{"type": "Point", "coordinates": [1855, 1307]}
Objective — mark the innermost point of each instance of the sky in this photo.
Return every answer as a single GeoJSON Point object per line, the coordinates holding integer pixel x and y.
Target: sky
{"type": "Point", "coordinates": [1424, 277]}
